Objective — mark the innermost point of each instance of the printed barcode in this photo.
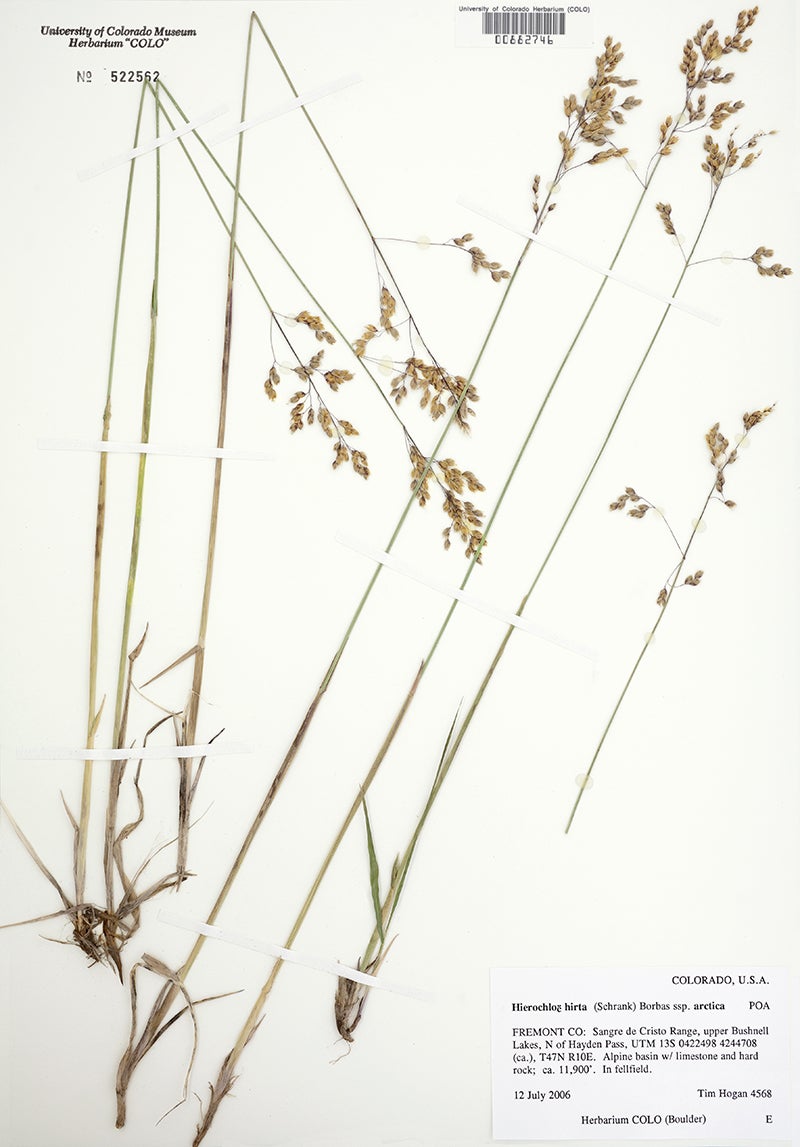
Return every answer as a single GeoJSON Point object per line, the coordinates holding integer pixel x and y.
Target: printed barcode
{"type": "Point", "coordinates": [524, 23]}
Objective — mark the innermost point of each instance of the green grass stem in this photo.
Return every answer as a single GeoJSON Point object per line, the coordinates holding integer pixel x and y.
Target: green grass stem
{"type": "Point", "coordinates": [192, 709]}
{"type": "Point", "coordinates": [119, 731]}
{"type": "Point", "coordinates": [81, 835]}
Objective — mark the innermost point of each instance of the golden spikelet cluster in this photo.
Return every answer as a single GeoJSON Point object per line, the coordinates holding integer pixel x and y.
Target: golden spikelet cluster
{"type": "Point", "coordinates": [667, 138]}
{"type": "Point", "coordinates": [753, 419]}
{"type": "Point", "coordinates": [304, 371]}
{"type": "Point", "coordinates": [721, 456]}
{"type": "Point", "coordinates": [593, 120]}
{"type": "Point", "coordinates": [335, 378]}
{"type": "Point", "coordinates": [691, 579]}
{"type": "Point", "coordinates": [717, 446]}
{"type": "Point", "coordinates": [721, 162]}
{"type": "Point", "coordinates": [435, 385]}
{"type": "Point", "coordinates": [707, 43]}
{"type": "Point", "coordinates": [639, 506]}
{"type": "Point", "coordinates": [388, 308]}
{"type": "Point", "coordinates": [272, 380]}
{"type": "Point", "coordinates": [307, 405]}
{"type": "Point", "coordinates": [723, 111]}
{"type": "Point", "coordinates": [775, 270]}
{"type": "Point", "coordinates": [597, 112]}
{"type": "Point", "coordinates": [314, 323]}
{"type": "Point", "coordinates": [699, 66]}
{"type": "Point", "coordinates": [665, 212]}
{"type": "Point", "coordinates": [479, 259]}
{"type": "Point", "coordinates": [360, 345]}
{"type": "Point", "coordinates": [466, 522]}
{"type": "Point", "coordinates": [718, 161]}
{"type": "Point", "coordinates": [540, 210]}
{"type": "Point", "coordinates": [465, 518]}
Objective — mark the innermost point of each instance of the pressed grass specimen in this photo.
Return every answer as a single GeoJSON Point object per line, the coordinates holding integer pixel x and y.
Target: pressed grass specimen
{"type": "Point", "coordinates": [102, 932]}
{"type": "Point", "coordinates": [181, 1002]}
{"type": "Point", "coordinates": [710, 74]}
{"type": "Point", "coordinates": [590, 123]}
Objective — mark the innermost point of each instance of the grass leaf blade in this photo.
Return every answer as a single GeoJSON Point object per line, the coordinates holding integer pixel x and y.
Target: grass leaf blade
{"type": "Point", "coordinates": [374, 873]}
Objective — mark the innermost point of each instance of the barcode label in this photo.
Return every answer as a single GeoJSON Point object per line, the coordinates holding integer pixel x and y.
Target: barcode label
{"type": "Point", "coordinates": [526, 28]}
{"type": "Point", "coordinates": [524, 23]}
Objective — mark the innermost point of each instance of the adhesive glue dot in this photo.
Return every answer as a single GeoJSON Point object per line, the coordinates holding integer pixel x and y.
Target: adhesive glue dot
{"type": "Point", "coordinates": [726, 258]}
{"type": "Point", "coordinates": [286, 365]}
{"type": "Point", "coordinates": [649, 638]}
{"type": "Point", "coordinates": [386, 366]}
{"type": "Point", "coordinates": [583, 781]}
{"type": "Point", "coordinates": [552, 187]}
{"type": "Point", "coordinates": [698, 526]}
{"type": "Point", "coordinates": [423, 242]}
{"type": "Point", "coordinates": [290, 322]}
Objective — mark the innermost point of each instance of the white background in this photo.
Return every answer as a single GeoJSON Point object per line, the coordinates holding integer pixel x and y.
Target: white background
{"type": "Point", "coordinates": [684, 850]}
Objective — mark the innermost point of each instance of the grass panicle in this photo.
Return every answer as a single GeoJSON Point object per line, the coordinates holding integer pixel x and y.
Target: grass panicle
{"type": "Point", "coordinates": [721, 455]}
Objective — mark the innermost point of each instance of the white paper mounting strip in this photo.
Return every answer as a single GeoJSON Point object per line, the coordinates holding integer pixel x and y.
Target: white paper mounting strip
{"type": "Point", "coordinates": [146, 753]}
{"type": "Point", "coordinates": [606, 272]}
{"type": "Point", "coordinates": [391, 562]}
{"type": "Point", "coordinates": [169, 451]}
{"type": "Point", "coordinates": [289, 106]}
{"type": "Point", "coordinates": [134, 153]}
{"type": "Point", "coordinates": [289, 955]}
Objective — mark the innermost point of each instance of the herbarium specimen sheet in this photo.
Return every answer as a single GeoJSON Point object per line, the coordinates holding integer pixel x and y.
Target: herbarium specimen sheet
{"type": "Point", "coordinates": [399, 505]}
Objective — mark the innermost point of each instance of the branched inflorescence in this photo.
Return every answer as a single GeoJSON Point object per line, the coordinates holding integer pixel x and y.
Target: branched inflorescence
{"type": "Point", "coordinates": [719, 163]}
{"type": "Point", "coordinates": [721, 455]}
{"type": "Point", "coordinates": [466, 520]}
{"type": "Point", "coordinates": [440, 393]}
{"type": "Point", "coordinates": [308, 405]}
{"type": "Point", "coordinates": [591, 121]}
{"type": "Point", "coordinates": [776, 270]}
{"type": "Point", "coordinates": [699, 66]}
{"type": "Point", "coordinates": [479, 260]}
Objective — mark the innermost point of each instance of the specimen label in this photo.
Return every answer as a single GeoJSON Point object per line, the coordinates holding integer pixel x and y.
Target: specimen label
{"type": "Point", "coordinates": [640, 1053]}
{"type": "Point", "coordinates": [524, 26]}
